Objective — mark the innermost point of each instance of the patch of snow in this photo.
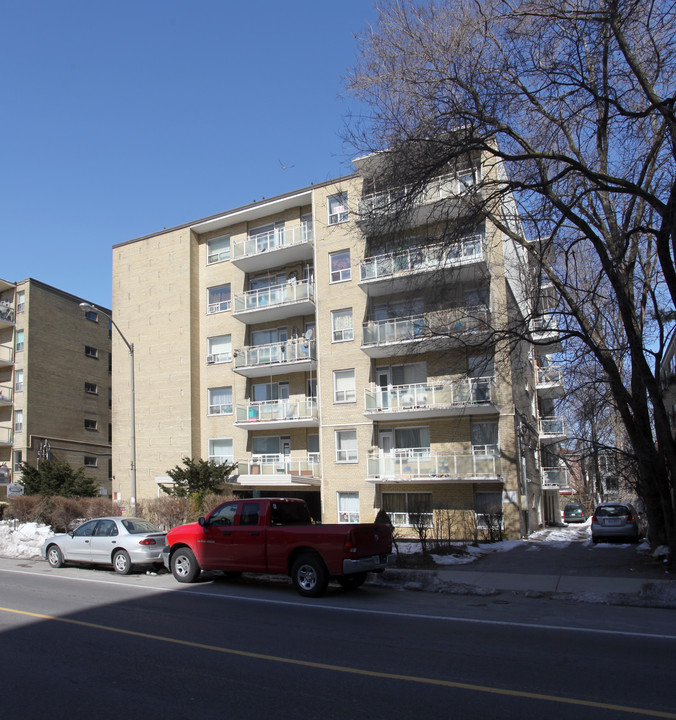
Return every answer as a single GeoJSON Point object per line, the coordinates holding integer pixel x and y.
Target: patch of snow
{"type": "Point", "coordinates": [22, 540]}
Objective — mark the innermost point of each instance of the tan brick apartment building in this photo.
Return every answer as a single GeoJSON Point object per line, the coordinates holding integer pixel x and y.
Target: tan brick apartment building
{"type": "Point", "coordinates": [54, 382]}
{"type": "Point", "coordinates": [333, 364]}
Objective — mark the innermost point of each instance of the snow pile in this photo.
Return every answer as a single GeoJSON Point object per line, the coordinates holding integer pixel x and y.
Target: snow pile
{"type": "Point", "coordinates": [22, 540]}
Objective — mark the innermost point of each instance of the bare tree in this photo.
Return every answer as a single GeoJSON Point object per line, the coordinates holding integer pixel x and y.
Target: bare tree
{"type": "Point", "coordinates": [569, 104]}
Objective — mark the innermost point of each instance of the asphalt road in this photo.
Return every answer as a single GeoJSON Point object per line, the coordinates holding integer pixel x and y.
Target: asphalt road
{"type": "Point", "coordinates": [79, 642]}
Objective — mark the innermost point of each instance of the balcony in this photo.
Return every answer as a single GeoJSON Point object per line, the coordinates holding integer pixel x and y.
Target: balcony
{"type": "Point", "coordinates": [277, 302]}
{"type": "Point", "coordinates": [279, 246]}
{"type": "Point", "coordinates": [552, 429]}
{"type": "Point", "coordinates": [469, 396]}
{"type": "Point", "coordinates": [555, 478]}
{"type": "Point", "coordinates": [6, 394]}
{"type": "Point", "coordinates": [6, 355]}
{"type": "Point", "coordinates": [279, 470]}
{"type": "Point", "coordinates": [436, 330]}
{"type": "Point", "coordinates": [545, 334]}
{"type": "Point", "coordinates": [5, 436]}
{"type": "Point", "coordinates": [282, 414]}
{"type": "Point", "coordinates": [276, 358]}
{"type": "Point", "coordinates": [549, 382]}
{"type": "Point", "coordinates": [421, 465]}
{"type": "Point", "coordinates": [6, 315]}
{"type": "Point", "coordinates": [413, 268]}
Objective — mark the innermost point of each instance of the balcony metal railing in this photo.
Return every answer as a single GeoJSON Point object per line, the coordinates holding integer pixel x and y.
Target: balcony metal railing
{"type": "Point", "coordinates": [277, 410]}
{"type": "Point", "coordinates": [5, 436]}
{"type": "Point", "coordinates": [555, 476]}
{"type": "Point", "coordinates": [289, 351]}
{"type": "Point", "coordinates": [279, 465]}
{"type": "Point", "coordinates": [420, 259]}
{"type": "Point", "coordinates": [552, 427]}
{"type": "Point", "coordinates": [6, 394]}
{"type": "Point", "coordinates": [411, 463]}
{"type": "Point", "coordinates": [466, 391]}
{"type": "Point", "coordinates": [550, 375]}
{"type": "Point", "coordinates": [418, 327]}
{"type": "Point", "coordinates": [545, 324]}
{"type": "Point", "coordinates": [6, 313]}
{"type": "Point", "coordinates": [275, 239]}
{"type": "Point", "coordinates": [6, 354]}
{"type": "Point", "coordinates": [449, 185]}
{"type": "Point", "coordinates": [275, 295]}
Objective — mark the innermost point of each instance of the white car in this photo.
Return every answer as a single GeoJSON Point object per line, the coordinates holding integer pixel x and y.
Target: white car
{"type": "Point", "coordinates": [118, 541]}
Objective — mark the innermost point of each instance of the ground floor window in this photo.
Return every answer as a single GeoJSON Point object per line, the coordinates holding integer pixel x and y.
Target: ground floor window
{"type": "Point", "coordinates": [348, 507]}
{"type": "Point", "coordinates": [488, 509]}
{"type": "Point", "coordinates": [407, 509]}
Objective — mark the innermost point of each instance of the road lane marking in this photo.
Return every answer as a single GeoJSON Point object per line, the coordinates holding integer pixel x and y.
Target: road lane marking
{"type": "Point", "coordinates": [319, 605]}
{"type": "Point", "coordinates": [350, 670]}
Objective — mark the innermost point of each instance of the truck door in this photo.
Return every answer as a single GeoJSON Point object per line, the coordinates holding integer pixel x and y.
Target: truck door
{"type": "Point", "coordinates": [215, 543]}
{"type": "Point", "coordinates": [248, 538]}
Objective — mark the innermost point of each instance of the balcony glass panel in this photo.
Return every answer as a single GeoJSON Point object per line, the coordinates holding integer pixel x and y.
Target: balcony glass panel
{"type": "Point", "coordinates": [555, 476]}
{"type": "Point", "coordinates": [287, 409]}
{"type": "Point", "coordinates": [6, 393]}
{"type": "Point", "coordinates": [552, 426]}
{"type": "Point", "coordinates": [410, 464]}
{"type": "Point", "coordinates": [279, 465]}
{"type": "Point", "coordinates": [424, 395]}
{"type": "Point", "coordinates": [275, 295]}
{"type": "Point", "coordinates": [289, 351]}
{"type": "Point", "coordinates": [272, 239]}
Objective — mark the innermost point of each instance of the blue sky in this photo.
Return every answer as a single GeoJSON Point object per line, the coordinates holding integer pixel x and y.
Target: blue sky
{"type": "Point", "coordinates": [120, 119]}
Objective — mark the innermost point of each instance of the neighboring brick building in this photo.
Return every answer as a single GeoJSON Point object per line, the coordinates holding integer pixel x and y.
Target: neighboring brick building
{"type": "Point", "coordinates": [336, 364]}
{"type": "Point", "coordinates": [54, 382]}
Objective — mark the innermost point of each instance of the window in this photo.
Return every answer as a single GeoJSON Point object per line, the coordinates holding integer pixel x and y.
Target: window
{"type": "Point", "coordinates": [218, 249]}
{"type": "Point", "coordinates": [405, 509]}
{"type": "Point", "coordinates": [220, 451]}
{"type": "Point", "coordinates": [339, 263]}
{"type": "Point", "coordinates": [219, 349]}
{"type": "Point", "coordinates": [313, 446]}
{"type": "Point", "coordinates": [18, 420]}
{"type": "Point", "coordinates": [488, 509]}
{"type": "Point", "coordinates": [341, 325]}
{"type": "Point", "coordinates": [90, 424]}
{"type": "Point", "coordinates": [224, 515]}
{"type": "Point", "coordinates": [344, 386]}
{"type": "Point", "coordinates": [19, 340]}
{"type": "Point", "coordinates": [18, 381]}
{"type": "Point", "coordinates": [271, 445]}
{"type": "Point", "coordinates": [337, 205]}
{"type": "Point", "coordinates": [21, 301]}
{"type": "Point", "coordinates": [220, 401]}
{"type": "Point", "coordinates": [218, 299]}
{"type": "Point", "coordinates": [18, 460]}
{"type": "Point", "coordinates": [265, 392]}
{"type": "Point", "coordinates": [90, 461]}
{"type": "Point", "coordinates": [91, 352]}
{"type": "Point", "coordinates": [91, 388]}
{"type": "Point", "coordinates": [348, 507]}
{"type": "Point", "coordinates": [485, 438]}
{"type": "Point", "coordinates": [91, 315]}
{"type": "Point", "coordinates": [346, 446]}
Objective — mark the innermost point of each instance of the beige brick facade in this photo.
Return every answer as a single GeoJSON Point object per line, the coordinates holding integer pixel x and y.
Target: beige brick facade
{"type": "Point", "coordinates": [245, 352]}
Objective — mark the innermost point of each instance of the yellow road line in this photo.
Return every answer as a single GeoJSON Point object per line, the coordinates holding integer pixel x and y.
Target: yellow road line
{"type": "Point", "coordinates": [354, 671]}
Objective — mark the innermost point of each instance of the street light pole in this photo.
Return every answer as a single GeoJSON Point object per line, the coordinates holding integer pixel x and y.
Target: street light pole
{"type": "Point", "coordinates": [132, 400]}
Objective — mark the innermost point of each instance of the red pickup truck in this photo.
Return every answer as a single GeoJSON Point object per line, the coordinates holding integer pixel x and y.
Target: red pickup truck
{"type": "Point", "coordinates": [276, 535]}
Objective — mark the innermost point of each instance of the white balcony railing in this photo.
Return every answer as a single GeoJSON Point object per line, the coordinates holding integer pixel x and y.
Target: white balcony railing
{"type": "Point", "coordinates": [6, 313]}
{"type": "Point", "coordinates": [387, 201]}
{"type": "Point", "coordinates": [414, 463]}
{"type": "Point", "coordinates": [6, 394]}
{"type": "Point", "coordinates": [552, 427]}
{"type": "Point", "coordinates": [289, 351]}
{"type": "Point", "coordinates": [5, 436]}
{"type": "Point", "coordinates": [280, 465]}
{"type": "Point", "coordinates": [6, 354]}
{"type": "Point", "coordinates": [274, 239]}
{"type": "Point", "coordinates": [289, 409]}
{"type": "Point", "coordinates": [275, 295]}
{"type": "Point", "coordinates": [550, 375]}
{"type": "Point", "coordinates": [466, 391]}
{"type": "Point", "coordinates": [421, 259]}
{"type": "Point", "coordinates": [557, 476]}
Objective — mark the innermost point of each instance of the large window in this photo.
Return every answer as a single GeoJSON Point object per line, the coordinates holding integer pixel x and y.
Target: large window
{"type": "Point", "coordinates": [406, 509]}
{"type": "Point", "coordinates": [488, 509]}
{"type": "Point", "coordinates": [344, 386]}
{"type": "Point", "coordinates": [218, 249]}
{"type": "Point", "coordinates": [18, 381]}
{"type": "Point", "coordinates": [339, 263]}
{"type": "Point", "coordinates": [346, 446]}
{"type": "Point", "coordinates": [19, 340]}
{"type": "Point", "coordinates": [218, 299]}
{"type": "Point", "coordinates": [220, 451]}
{"type": "Point", "coordinates": [348, 507]}
{"type": "Point", "coordinates": [337, 205]}
{"type": "Point", "coordinates": [18, 420]}
{"type": "Point", "coordinates": [341, 325]}
{"type": "Point", "coordinates": [219, 349]}
{"type": "Point", "coordinates": [220, 401]}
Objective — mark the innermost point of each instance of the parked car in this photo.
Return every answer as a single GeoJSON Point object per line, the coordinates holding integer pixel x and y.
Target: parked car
{"type": "Point", "coordinates": [574, 513]}
{"type": "Point", "coordinates": [613, 520]}
{"type": "Point", "coordinates": [122, 542]}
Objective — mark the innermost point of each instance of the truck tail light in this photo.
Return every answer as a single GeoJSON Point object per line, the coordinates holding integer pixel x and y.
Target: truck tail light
{"type": "Point", "coordinates": [350, 545]}
{"type": "Point", "coordinates": [148, 541]}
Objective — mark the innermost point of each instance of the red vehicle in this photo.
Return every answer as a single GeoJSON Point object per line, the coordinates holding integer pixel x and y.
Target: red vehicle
{"type": "Point", "coordinates": [276, 535]}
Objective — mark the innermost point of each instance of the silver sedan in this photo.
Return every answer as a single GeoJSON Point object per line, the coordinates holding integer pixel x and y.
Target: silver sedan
{"type": "Point", "coordinates": [118, 541]}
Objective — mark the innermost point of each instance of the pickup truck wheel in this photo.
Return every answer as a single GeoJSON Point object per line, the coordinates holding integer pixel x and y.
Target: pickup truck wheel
{"type": "Point", "coordinates": [309, 576]}
{"type": "Point", "coordinates": [184, 566]}
{"type": "Point", "coordinates": [353, 581]}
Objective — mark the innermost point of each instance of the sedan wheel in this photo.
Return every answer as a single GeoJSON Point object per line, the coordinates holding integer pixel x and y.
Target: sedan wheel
{"type": "Point", "coordinates": [122, 562]}
{"type": "Point", "coordinates": [54, 556]}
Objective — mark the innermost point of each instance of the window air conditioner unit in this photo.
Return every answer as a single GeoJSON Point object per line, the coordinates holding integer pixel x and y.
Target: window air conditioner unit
{"type": "Point", "coordinates": [211, 359]}
{"type": "Point", "coordinates": [213, 308]}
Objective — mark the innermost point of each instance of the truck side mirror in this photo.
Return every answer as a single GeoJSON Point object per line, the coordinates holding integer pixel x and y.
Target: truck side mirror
{"type": "Point", "coordinates": [202, 521]}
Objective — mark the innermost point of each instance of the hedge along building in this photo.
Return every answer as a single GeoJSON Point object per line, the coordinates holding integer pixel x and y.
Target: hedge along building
{"type": "Point", "coordinates": [339, 359]}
